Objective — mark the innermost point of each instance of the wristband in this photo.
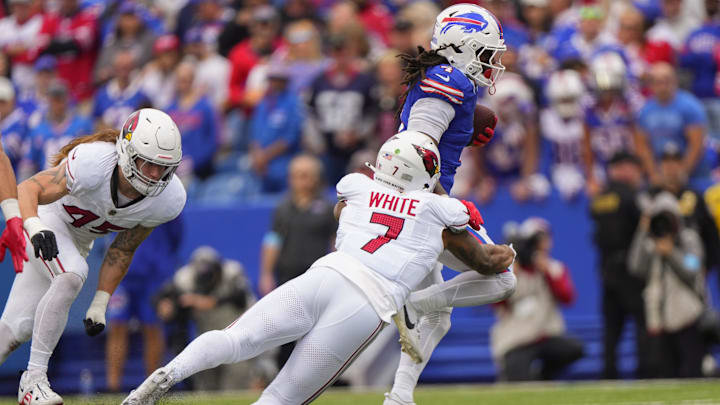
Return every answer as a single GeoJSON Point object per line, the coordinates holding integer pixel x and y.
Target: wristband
{"type": "Point", "coordinates": [100, 301]}
{"type": "Point", "coordinates": [33, 225]}
{"type": "Point", "coordinates": [10, 208]}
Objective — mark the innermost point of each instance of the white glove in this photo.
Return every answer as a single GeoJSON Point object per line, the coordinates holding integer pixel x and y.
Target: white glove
{"type": "Point", "coordinates": [95, 316]}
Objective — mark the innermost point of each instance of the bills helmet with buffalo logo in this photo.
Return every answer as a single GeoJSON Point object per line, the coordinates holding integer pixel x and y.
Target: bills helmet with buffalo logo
{"type": "Point", "coordinates": [407, 162]}
{"type": "Point", "coordinates": [149, 136]}
{"type": "Point", "coordinates": [471, 39]}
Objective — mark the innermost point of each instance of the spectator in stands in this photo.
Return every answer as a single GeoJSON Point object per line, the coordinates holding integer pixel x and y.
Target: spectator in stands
{"type": "Point", "coordinates": [640, 51]}
{"type": "Point", "coordinates": [674, 25]}
{"type": "Point", "coordinates": [342, 107]}
{"type": "Point", "coordinates": [56, 128]}
{"type": "Point", "coordinates": [71, 36]}
{"type": "Point", "coordinates": [158, 77]}
{"type": "Point", "coordinates": [389, 74]}
{"type": "Point", "coordinates": [198, 122]}
{"type": "Point", "coordinates": [670, 257]}
{"type": "Point", "coordinates": [609, 120]}
{"type": "Point", "coordinates": [562, 125]}
{"type": "Point", "coordinates": [19, 40]}
{"type": "Point", "coordinates": [699, 57]}
{"type": "Point", "coordinates": [275, 130]}
{"type": "Point", "coordinates": [695, 212]}
{"type": "Point", "coordinates": [13, 124]}
{"type": "Point", "coordinates": [212, 292]}
{"type": "Point", "coordinates": [212, 71]}
{"type": "Point", "coordinates": [615, 214]}
{"type": "Point", "coordinates": [263, 40]}
{"type": "Point", "coordinates": [530, 327]}
{"type": "Point", "coordinates": [35, 99]}
{"type": "Point", "coordinates": [401, 38]}
{"type": "Point", "coordinates": [152, 264]}
{"type": "Point", "coordinates": [122, 95]}
{"type": "Point", "coordinates": [671, 116]}
{"type": "Point", "coordinates": [591, 36]}
{"type": "Point", "coordinates": [303, 230]}
{"type": "Point", "coordinates": [130, 34]}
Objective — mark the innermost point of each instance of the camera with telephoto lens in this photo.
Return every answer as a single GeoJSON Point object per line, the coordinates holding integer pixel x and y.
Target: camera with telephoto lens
{"type": "Point", "coordinates": [662, 224]}
{"type": "Point", "coordinates": [526, 248]}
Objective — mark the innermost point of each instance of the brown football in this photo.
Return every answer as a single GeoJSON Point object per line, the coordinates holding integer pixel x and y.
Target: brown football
{"type": "Point", "coordinates": [483, 118]}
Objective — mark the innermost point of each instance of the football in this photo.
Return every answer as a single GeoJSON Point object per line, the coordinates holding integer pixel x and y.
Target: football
{"type": "Point", "coordinates": [483, 118]}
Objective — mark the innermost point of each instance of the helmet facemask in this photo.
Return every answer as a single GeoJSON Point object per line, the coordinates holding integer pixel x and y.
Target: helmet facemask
{"type": "Point", "coordinates": [133, 171]}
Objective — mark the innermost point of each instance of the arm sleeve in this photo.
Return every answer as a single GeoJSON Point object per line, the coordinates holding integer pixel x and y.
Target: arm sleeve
{"type": "Point", "coordinates": [350, 186]}
{"type": "Point", "coordinates": [451, 212]}
{"type": "Point", "coordinates": [431, 116]}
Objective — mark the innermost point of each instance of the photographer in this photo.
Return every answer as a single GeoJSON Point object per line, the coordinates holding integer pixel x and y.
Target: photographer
{"type": "Point", "coordinates": [670, 257]}
{"type": "Point", "coordinates": [211, 292]}
{"type": "Point", "coordinates": [530, 327]}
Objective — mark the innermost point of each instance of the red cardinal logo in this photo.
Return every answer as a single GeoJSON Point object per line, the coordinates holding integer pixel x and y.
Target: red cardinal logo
{"type": "Point", "coordinates": [430, 160]}
{"type": "Point", "coordinates": [130, 125]}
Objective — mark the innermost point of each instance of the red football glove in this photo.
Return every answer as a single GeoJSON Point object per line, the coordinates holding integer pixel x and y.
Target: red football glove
{"type": "Point", "coordinates": [13, 239]}
{"type": "Point", "coordinates": [482, 137]}
{"type": "Point", "coordinates": [475, 218]}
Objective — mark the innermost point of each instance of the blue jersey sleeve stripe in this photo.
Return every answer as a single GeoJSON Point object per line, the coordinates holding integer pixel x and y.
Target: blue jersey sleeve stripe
{"type": "Point", "coordinates": [436, 91]}
{"type": "Point", "coordinates": [450, 90]}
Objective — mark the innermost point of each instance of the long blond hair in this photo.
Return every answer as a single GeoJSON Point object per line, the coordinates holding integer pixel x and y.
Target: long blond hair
{"type": "Point", "coordinates": [106, 135]}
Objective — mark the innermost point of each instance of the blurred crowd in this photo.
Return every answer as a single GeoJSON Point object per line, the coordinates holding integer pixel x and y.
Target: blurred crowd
{"type": "Point", "coordinates": [253, 83]}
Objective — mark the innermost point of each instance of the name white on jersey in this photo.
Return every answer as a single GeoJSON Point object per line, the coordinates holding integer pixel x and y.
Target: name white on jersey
{"type": "Point", "coordinates": [388, 242]}
{"type": "Point", "coordinates": [88, 210]}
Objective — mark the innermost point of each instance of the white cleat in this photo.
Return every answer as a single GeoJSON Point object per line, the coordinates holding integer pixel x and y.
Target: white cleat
{"type": "Point", "coordinates": [151, 389]}
{"type": "Point", "coordinates": [35, 389]}
{"type": "Point", "coordinates": [409, 334]}
{"type": "Point", "coordinates": [393, 399]}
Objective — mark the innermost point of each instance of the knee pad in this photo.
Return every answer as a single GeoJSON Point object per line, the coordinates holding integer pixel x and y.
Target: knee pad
{"type": "Point", "coordinates": [69, 283]}
{"type": "Point", "coordinates": [21, 330]}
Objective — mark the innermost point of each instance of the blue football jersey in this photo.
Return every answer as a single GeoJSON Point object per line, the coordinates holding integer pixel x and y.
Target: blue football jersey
{"type": "Point", "coordinates": [452, 86]}
{"type": "Point", "coordinates": [14, 132]}
{"type": "Point", "coordinates": [113, 105]}
{"type": "Point", "coordinates": [611, 130]}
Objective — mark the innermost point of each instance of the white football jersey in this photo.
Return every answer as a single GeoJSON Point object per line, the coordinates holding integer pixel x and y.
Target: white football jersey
{"type": "Point", "coordinates": [397, 236]}
{"type": "Point", "coordinates": [89, 211]}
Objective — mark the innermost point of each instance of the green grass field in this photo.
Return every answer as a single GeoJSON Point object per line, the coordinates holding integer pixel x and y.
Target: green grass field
{"type": "Point", "coordinates": [704, 392]}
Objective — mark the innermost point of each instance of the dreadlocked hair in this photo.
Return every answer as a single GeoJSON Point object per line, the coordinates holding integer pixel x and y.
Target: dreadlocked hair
{"type": "Point", "coordinates": [415, 67]}
{"type": "Point", "coordinates": [106, 135]}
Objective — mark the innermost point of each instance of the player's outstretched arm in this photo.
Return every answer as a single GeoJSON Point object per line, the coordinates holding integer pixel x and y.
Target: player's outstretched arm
{"type": "Point", "coordinates": [113, 270]}
{"type": "Point", "coordinates": [44, 187]}
{"type": "Point", "coordinates": [12, 237]}
{"type": "Point", "coordinates": [485, 259]}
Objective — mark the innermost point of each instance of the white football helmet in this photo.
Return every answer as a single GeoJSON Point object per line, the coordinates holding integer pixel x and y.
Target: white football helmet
{"type": "Point", "coordinates": [609, 71]}
{"type": "Point", "coordinates": [565, 90]}
{"type": "Point", "coordinates": [471, 39]}
{"type": "Point", "coordinates": [149, 136]}
{"type": "Point", "coordinates": [407, 162]}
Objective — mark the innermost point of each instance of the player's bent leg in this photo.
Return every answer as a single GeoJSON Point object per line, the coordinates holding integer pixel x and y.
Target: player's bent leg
{"type": "Point", "coordinates": [347, 325]}
{"type": "Point", "coordinates": [431, 328]}
{"type": "Point", "coordinates": [464, 290]}
{"type": "Point", "coordinates": [282, 316]}
{"type": "Point", "coordinates": [16, 324]}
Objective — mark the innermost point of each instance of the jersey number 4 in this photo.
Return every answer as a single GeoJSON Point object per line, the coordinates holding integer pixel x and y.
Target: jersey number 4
{"type": "Point", "coordinates": [83, 217]}
{"type": "Point", "coordinates": [395, 226]}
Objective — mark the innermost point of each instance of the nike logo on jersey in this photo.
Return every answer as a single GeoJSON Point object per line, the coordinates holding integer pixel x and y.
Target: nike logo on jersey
{"type": "Point", "coordinates": [409, 324]}
{"type": "Point", "coordinates": [445, 78]}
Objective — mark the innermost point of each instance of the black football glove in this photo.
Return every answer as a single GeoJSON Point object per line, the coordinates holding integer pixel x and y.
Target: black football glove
{"type": "Point", "coordinates": [45, 244]}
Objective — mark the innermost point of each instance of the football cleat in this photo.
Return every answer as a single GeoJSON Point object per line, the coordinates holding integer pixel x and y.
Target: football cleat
{"type": "Point", "coordinates": [151, 389]}
{"type": "Point", "coordinates": [409, 333]}
{"type": "Point", "coordinates": [35, 389]}
{"type": "Point", "coordinates": [393, 399]}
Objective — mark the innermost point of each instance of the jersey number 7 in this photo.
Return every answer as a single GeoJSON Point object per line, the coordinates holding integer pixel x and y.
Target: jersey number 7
{"type": "Point", "coordinates": [395, 226]}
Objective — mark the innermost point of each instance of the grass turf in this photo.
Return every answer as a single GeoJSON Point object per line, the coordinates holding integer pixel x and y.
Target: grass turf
{"type": "Point", "coordinates": [625, 393]}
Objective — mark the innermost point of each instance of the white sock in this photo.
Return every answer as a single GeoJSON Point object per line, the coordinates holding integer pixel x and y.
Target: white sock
{"type": "Point", "coordinates": [432, 328]}
{"type": "Point", "coordinates": [50, 319]}
{"type": "Point", "coordinates": [467, 289]}
{"type": "Point", "coordinates": [8, 342]}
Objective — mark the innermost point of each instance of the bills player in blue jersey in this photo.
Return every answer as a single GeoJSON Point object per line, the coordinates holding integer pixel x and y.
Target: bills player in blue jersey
{"type": "Point", "coordinates": [443, 85]}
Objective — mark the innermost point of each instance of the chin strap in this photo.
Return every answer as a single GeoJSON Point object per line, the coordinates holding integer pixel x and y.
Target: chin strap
{"type": "Point", "coordinates": [492, 89]}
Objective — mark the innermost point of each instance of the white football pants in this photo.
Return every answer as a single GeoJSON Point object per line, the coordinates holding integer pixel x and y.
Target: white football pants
{"type": "Point", "coordinates": [330, 316]}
